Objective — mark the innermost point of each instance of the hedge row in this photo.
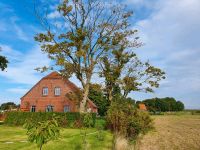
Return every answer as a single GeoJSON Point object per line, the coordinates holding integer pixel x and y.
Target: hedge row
{"type": "Point", "coordinates": [69, 119]}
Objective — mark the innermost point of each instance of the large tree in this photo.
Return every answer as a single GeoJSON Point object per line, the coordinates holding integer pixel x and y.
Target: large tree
{"type": "Point", "coordinates": [86, 35]}
{"type": "Point", "coordinates": [3, 62]}
{"type": "Point", "coordinates": [123, 68]}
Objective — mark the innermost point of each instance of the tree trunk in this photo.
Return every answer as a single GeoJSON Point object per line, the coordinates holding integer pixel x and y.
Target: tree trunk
{"type": "Point", "coordinates": [84, 100]}
{"type": "Point", "coordinates": [110, 97]}
{"type": "Point", "coordinates": [110, 93]}
{"type": "Point", "coordinates": [40, 147]}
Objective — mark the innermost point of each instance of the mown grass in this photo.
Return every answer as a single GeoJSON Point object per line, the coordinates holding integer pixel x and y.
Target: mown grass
{"type": "Point", "coordinates": [70, 139]}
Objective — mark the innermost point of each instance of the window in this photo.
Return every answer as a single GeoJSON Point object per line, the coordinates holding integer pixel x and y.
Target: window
{"type": "Point", "coordinates": [49, 108]}
{"type": "Point", "coordinates": [67, 108]}
{"type": "Point", "coordinates": [33, 108]}
{"type": "Point", "coordinates": [45, 91]}
{"type": "Point", "coordinates": [57, 91]}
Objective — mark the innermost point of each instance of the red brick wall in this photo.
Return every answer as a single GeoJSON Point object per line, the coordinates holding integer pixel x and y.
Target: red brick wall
{"type": "Point", "coordinates": [35, 97]}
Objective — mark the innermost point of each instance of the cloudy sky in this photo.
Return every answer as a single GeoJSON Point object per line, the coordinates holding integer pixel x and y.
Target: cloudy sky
{"type": "Point", "coordinates": [170, 30]}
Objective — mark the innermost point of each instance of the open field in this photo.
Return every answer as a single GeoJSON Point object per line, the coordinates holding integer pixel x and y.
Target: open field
{"type": "Point", "coordinates": [14, 138]}
{"type": "Point", "coordinates": [173, 132]}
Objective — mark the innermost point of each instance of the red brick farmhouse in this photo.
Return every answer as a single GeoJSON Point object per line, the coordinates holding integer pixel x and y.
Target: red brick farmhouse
{"type": "Point", "coordinates": [49, 94]}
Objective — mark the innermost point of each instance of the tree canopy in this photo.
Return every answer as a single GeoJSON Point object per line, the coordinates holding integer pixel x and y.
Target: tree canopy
{"type": "Point", "coordinates": [3, 62]}
{"type": "Point", "coordinates": [8, 106]}
{"type": "Point", "coordinates": [96, 37]}
{"type": "Point", "coordinates": [163, 104]}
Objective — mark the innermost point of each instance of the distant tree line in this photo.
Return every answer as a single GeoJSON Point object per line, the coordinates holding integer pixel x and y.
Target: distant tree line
{"type": "Point", "coordinates": [163, 104]}
{"type": "Point", "coordinates": [8, 106]}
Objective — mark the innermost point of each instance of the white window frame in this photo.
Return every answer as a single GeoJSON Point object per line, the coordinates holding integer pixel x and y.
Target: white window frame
{"type": "Point", "coordinates": [33, 108]}
{"type": "Point", "coordinates": [45, 91]}
{"type": "Point", "coordinates": [49, 108]}
{"type": "Point", "coordinates": [57, 91]}
{"type": "Point", "coordinates": [66, 108]}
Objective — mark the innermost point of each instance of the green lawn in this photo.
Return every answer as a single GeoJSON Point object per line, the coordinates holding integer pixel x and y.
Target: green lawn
{"type": "Point", "coordinates": [70, 139]}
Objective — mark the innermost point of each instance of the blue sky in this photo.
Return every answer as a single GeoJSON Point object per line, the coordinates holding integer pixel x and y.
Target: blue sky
{"type": "Point", "coordinates": [170, 30]}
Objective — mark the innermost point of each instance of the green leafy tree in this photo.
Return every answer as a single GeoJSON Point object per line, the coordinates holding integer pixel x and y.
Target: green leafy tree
{"type": "Point", "coordinates": [8, 106]}
{"type": "Point", "coordinates": [87, 34]}
{"type": "Point", "coordinates": [126, 71]}
{"type": "Point", "coordinates": [42, 132]}
{"type": "Point", "coordinates": [97, 96]}
{"type": "Point", "coordinates": [3, 62]}
{"type": "Point", "coordinates": [163, 104]}
{"type": "Point", "coordinates": [179, 106]}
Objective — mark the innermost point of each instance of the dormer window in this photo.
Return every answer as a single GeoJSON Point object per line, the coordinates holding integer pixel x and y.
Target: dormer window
{"type": "Point", "coordinates": [57, 91]}
{"type": "Point", "coordinates": [45, 91]}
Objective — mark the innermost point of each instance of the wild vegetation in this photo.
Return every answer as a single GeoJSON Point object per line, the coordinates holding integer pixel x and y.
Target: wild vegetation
{"type": "Point", "coordinates": [127, 121]}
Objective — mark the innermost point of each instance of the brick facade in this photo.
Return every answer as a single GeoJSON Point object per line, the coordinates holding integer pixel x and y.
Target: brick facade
{"type": "Point", "coordinates": [35, 96]}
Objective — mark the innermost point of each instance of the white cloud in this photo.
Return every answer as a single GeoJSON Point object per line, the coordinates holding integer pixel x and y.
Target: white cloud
{"type": "Point", "coordinates": [23, 71]}
{"type": "Point", "coordinates": [12, 55]}
{"type": "Point", "coordinates": [17, 90]}
{"type": "Point", "coordinates": [53, 15]}
{"type": "Point", "coordinates": [171, 35]}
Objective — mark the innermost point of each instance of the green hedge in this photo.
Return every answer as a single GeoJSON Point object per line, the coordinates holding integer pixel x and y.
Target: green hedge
{"type": "Point", "coordinates": [69, 119]}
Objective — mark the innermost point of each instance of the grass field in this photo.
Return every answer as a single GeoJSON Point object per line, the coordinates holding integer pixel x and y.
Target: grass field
{"type": "Point", "coordinates": [14, 138]}
{"type": "Point", "coordinates": [172, 132]}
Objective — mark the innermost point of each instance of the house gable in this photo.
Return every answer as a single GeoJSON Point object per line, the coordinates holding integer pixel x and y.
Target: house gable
{"type": "Point", "coordinates": [35, 97]}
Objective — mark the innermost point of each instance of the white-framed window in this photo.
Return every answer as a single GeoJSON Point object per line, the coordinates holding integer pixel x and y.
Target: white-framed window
{"type": "Point", "coordinates": [45, 91]}
{"type": "Point", "coordinates": [49, 108]}
{"type": "Point", "coordinates": [57, 91]}
{"type": "Point", "coordinates": [33, 109]}
{"type": "Point", "coordinates": [66, 108]}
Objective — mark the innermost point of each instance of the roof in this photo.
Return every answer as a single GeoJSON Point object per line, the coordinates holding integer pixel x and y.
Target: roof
{"type": "Point", "coordinates": [142, 107]}
{"type": "Point", "coordinates": [53, 75]}
{"type": "Point", "coordinates": [56, 75]}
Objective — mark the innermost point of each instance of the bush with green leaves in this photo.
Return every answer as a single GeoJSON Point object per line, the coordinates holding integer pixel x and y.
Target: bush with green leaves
{"type": "Point", "coordinates": [124, 119]}
{"type": "Point", "coordinates": [88, 120]}
{"type": "Point", "coordinates": [69, 119]}
{"type": "Point", "coordinates": [42, 132]}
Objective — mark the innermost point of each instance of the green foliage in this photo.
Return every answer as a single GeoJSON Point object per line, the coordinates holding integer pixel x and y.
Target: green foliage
{"type": "Point", "coordinates": [97, 96]}
{"type": "Point", "coordinates": [93, 28]}
{"type": "Point", "coordinates": [3, 62]}
{"type": "Point", "coordinates": [69, 119]}
{"type": "Point", "coordinates": [122, 68]}
{"type": "Point", "coordinates": [100, 123]}
{"type": "Point", "coordinates": [88, 120]}
{"type": "Point", "coordinates": [163, 104]}
{"type": "Point", "coordinates": [123, 118]}
{"type": "Point", "coordinates": [42, 132]}
{"type": "Point", "coordinates": [8, 106]}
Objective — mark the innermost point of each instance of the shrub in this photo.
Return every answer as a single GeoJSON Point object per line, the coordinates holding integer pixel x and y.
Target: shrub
{"type": "Point", "coordinates": [87, 120]}
{"type": "Point", "coordinates": [123, 118]}
{"type": "Point", "coordinates": [42, 132]}
{"type": "Point", "coordinates": [68, 119]}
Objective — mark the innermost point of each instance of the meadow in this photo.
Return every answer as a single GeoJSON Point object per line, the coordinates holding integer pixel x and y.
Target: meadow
{"type": "Point", "coordinates": [172, 132]}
